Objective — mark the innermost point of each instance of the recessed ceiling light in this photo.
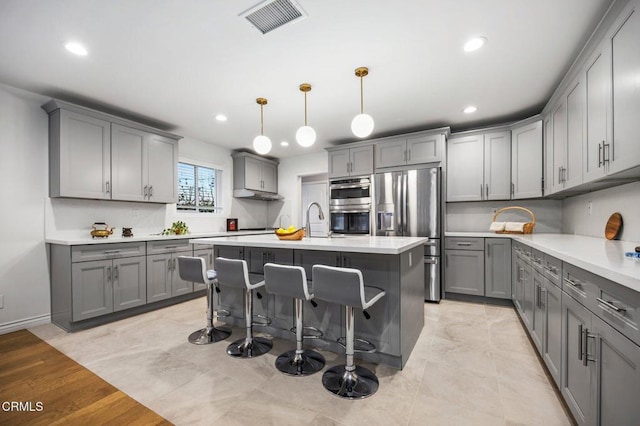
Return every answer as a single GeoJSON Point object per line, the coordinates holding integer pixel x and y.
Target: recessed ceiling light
{"type": "Point", "coordinates": [470, 109]}
{"type": "Point", "coordinates": [221, 117]}
{"type": "Point", "coordinates": [284, 143]}
{"type": "Point", "coordinates": [76, 48]}
{"type": "Point", "coordinates": [474, 44]}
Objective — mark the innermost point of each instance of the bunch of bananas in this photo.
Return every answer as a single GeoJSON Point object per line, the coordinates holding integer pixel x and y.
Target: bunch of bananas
{"type": "Point", "coordinates": [290, 230]}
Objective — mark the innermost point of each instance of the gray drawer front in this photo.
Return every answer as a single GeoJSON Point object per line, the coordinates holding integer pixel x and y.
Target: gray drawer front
{"type": "Point", "coordinates": [552, 269]}
{"type": "Point", "coordinates": [458, 243]}
{"type": "Point", "coordinates": [537, 260]}
{"type": "Point", "coordinates": [580, 284]}
{"type": "Point", "coordinates": [168, 246]}
{"type": "Point", "coordinates": [619, 307]}
{"type": "Point", "coordinates": [90, 252]}
{"type": "Point", "coordinates": [522, 250]}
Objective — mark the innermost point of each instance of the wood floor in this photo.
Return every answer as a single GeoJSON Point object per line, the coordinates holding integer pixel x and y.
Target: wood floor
{"type": "Point", "coordinates": [53, 389]}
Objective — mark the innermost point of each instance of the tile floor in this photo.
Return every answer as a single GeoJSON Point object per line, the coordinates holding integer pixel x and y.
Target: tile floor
{"type": "Point", "coordinates": [473, 365]}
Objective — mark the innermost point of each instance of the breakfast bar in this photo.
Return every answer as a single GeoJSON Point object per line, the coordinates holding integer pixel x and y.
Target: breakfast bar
{"type": "Point", "coordinates": [394, 264]}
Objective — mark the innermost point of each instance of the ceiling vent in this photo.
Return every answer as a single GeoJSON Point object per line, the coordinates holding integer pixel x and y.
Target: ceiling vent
{"type": "Point", "coordinates": [271, 14]}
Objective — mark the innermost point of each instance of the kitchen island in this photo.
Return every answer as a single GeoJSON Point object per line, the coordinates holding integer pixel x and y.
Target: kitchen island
{"type": "Point", "coordinates": [394, 264]}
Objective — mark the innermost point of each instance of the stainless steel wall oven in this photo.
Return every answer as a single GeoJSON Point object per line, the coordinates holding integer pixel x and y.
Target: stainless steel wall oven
{"type": "Point", "coordinates": [350, 205]}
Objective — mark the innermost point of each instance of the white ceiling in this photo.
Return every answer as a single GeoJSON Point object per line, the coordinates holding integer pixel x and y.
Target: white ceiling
{"type": "Point", "coordinates": [177, 63]}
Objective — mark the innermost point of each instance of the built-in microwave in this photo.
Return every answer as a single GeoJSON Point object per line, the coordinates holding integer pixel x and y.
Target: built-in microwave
{"type": "Point", "coordinates": [350, 205]}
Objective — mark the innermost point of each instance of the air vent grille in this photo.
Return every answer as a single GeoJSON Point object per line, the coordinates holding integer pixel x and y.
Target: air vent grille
{"type": "Point", "coordinates": [271, 14]}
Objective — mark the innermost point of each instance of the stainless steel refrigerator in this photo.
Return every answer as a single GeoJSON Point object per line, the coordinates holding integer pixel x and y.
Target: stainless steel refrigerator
{"type": "Point", "coordinates": [408, 203]}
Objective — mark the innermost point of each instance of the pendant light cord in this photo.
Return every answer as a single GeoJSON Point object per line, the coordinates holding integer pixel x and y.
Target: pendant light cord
{"type": "Point", "coordinates": [305, 108]}
{"type": "Point", "coordinates": [361, 97]}
{"type": "Point", "coordinates": [261, 122]}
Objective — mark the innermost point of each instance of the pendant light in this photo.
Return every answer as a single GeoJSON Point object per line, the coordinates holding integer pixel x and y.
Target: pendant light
{"type": "Point", "coordinates": [362, 124]}
{"type": "Point", "coordinates": [305, 135]}
{"type": "Point", "coordinates": [261, 144]}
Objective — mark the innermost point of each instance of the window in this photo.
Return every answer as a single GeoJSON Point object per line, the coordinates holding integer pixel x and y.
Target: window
{"type": "Point", "coordinates": [198, 189]}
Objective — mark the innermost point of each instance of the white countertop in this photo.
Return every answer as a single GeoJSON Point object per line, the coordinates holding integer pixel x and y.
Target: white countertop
{"type": "Point", "coordinates": [358, 244]}
{"type": "Point", "coordinates": [596, 255]}
{"type": "Point", "coordinates": [74, 239]}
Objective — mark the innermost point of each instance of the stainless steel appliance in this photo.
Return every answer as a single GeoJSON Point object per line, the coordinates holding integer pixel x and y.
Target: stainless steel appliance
{"type": "Point", "coordinates": [350, 205]}
{"type": "Point", "coordinates": [408, 203]}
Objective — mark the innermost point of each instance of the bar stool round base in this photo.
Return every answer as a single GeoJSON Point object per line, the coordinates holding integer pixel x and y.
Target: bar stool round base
{"type": "Point", "coordinates": [241, 349]}
{"type": "Point", "coordinates": [209, 335]}
{"type": "Point", "coordinates": [356, 384]}
{"type": "Point", "coordinates": [307, 363]}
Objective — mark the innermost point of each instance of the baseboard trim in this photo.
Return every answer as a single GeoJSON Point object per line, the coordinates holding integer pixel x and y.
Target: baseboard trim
{"type": "Point", "coordinates": [23, 324]}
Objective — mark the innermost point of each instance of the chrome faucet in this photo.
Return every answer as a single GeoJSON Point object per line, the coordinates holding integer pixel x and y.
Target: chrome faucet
{"type": "Point", "coordinates": [320, 216]}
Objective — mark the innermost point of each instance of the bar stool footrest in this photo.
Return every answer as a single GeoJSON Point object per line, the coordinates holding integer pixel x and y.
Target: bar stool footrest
{"type": "Point", "coordinates": [365, 345]}
{"type": "Point", "coordinates": [221, 313]}
{"type": "Point", "coordinates": [317, 333]}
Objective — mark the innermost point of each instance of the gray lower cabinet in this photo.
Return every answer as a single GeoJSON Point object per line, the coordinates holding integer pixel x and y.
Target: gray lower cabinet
{"type": "Point", "coordinates": [538, 317]}
{"type": "Point", "coordinates": [497, 268]}
{"type": "Point", "coordinates": [92, 289]}
{"type": "Point", "coordinates": [163, 280]}
{"type": "Point", "coordinates": [464, 272]}
{"type": "Point", "coordinates": [552, 336]}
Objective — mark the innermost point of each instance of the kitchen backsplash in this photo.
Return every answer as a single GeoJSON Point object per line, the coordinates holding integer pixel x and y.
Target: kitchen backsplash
{"type": "Point", "coordinates": [577, 218]}
{"type": "Point", "coordinates": [476, 216]}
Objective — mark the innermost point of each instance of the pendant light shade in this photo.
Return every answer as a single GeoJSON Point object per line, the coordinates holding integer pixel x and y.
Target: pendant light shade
{"type": "Point", "coordinates": [362, 124]}
{"type": "Point", "coordinates": [261, 143]}
{"type": "Point", "coordinates": [305, 135]}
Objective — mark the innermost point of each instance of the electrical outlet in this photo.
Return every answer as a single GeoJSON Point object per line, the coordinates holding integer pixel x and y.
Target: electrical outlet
{"type": "Point", "coordinates": [589, 208]}
{"type": "Point", "coordinates": [1, 301]}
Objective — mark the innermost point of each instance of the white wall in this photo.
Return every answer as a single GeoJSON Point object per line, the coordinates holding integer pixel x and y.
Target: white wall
{"type": "Point", "coordinates": [476, 217]}
{"type": "Point", "coordinates": [290, 173]}
{"type": "Point", "coordinates": [624, 199]}
{"type": "Point", "coordinates": [24, 276]}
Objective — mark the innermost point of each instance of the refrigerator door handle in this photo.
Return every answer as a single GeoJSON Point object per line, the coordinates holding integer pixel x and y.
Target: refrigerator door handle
{"type": "Point", "coordinates": [404, 203]}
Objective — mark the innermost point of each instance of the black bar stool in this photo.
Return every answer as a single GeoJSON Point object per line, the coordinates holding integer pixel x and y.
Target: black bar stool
{"type": "Point", "coordinates": [195, 269]}
{"type": "Point", "coordinates": [291, 281]}
{"type": "Point", "coordinates": [346, 287]}
{"type": "Point", "coordinates": [234, 273]}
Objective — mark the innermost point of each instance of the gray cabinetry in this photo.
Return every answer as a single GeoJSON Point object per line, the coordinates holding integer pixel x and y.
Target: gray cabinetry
{"type": "Point", "coordinates": [100, 156]}
{"type": "Point", "coordinates": [107, 278]}
{"type": "Point", "coordinates": [79, 156]}
{"type": "Point", "coordinates": [409, 149]}
{"type": "Point", "coordinates": [464, 266]}
{"type": "Point", "coordinates": [552, 336]}
{"type": "Point", "coordinates": [162, 267]}
{"type": "Point", "coordinates": [254, 173]}
{"type": "Point", "coordinates": [526, 160]}
{"type": "Point", "coordinates": [479, 166]}
{"type": "Point", "coordinates": [497, 268]}
{"type": "Point", "coordinates": [355, 161]}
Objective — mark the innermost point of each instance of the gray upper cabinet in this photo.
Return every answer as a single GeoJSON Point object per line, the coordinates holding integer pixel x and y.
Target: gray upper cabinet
{"type": "Point", "coordinates": [355, 161]}
{"type": "Point", "coordinates": [413, 149]}
{"type": "Point", "coordinates": [143, 166]}
{"type": "Point", "coordinates": [479, 167]}
{"type": "Point", "coordinates": [526, 160]}
{"type": "Point", "coordinates": [255, 173]}
{"type": "Point", "coordinates": [100, 156]}
{"type": "Point", "coordinates": [597, 77]}
{"type": "Point", "coordinates": [624, 152]}
{"type": "Point", "coordinates": [79, 156]}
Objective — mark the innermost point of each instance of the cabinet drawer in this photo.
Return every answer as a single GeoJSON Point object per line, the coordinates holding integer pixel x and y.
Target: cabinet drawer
{"type": "Point", "coordinates": [459, 243]}
{"type": "Point", "coordinates": [522, 250]}
{"type": "Point", "coordinates": [580, 284]}
{"type": "Point", "coordinates": [537, 260]}
{"type": "Point", "coordinates": [619, 307]}
{"type": "Point", "coordinates": [168, 246]}
{"type": "Point", "coordinates": [90, 252]}
{"type": "Point", "coordinates": [552, 269]}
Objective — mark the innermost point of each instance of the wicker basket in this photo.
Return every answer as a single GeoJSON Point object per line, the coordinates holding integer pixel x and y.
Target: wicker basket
{"type": "Point", "coordinates": [295, 235]}
{"type": "Point", "coordinates": [528, 226]}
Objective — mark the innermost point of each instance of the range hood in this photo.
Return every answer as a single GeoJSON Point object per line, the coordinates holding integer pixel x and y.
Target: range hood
{"type": "Point", "coordinates": [251, 194]}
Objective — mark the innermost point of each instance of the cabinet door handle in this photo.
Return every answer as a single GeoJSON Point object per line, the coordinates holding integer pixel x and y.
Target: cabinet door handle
{"type": "Point", "coordinates": [404, 155]}
{"type": "Point", "coordinates": [463, 244]}
{"type": "Point", "coordinates": [580, 331]}
{"type": "Point", "coordinates": [174, 264]}
{"type": "Point", "coordinates": [487, 191]}
{"type": "Point", "coordinates": [606, 156]}
{"type": "Point", "coordinates": [585, 342]}
{"type": "Point", "coordinates": [107, 187]}
{"type": "Point", "coordinates": [610, 305]}
{"type": "Point", "coordinates": [109, 273]}
{"type": "Point", "coordinates": [146, 191]}
{"type": "Point", "coordinates": [481, 192]}
{"type": "Point", "coordinates": [600, 154]}
{"type": "Point", "coordinates": [115, 272]}
{"type": "Point", "coordinates": [409, 156]}
{"type": "Point", "coordinates": [513, 189]}
{"type": "Point", "coordinates": [169, 265]}
{"type": "Point", "coordinates": [150, 191]}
